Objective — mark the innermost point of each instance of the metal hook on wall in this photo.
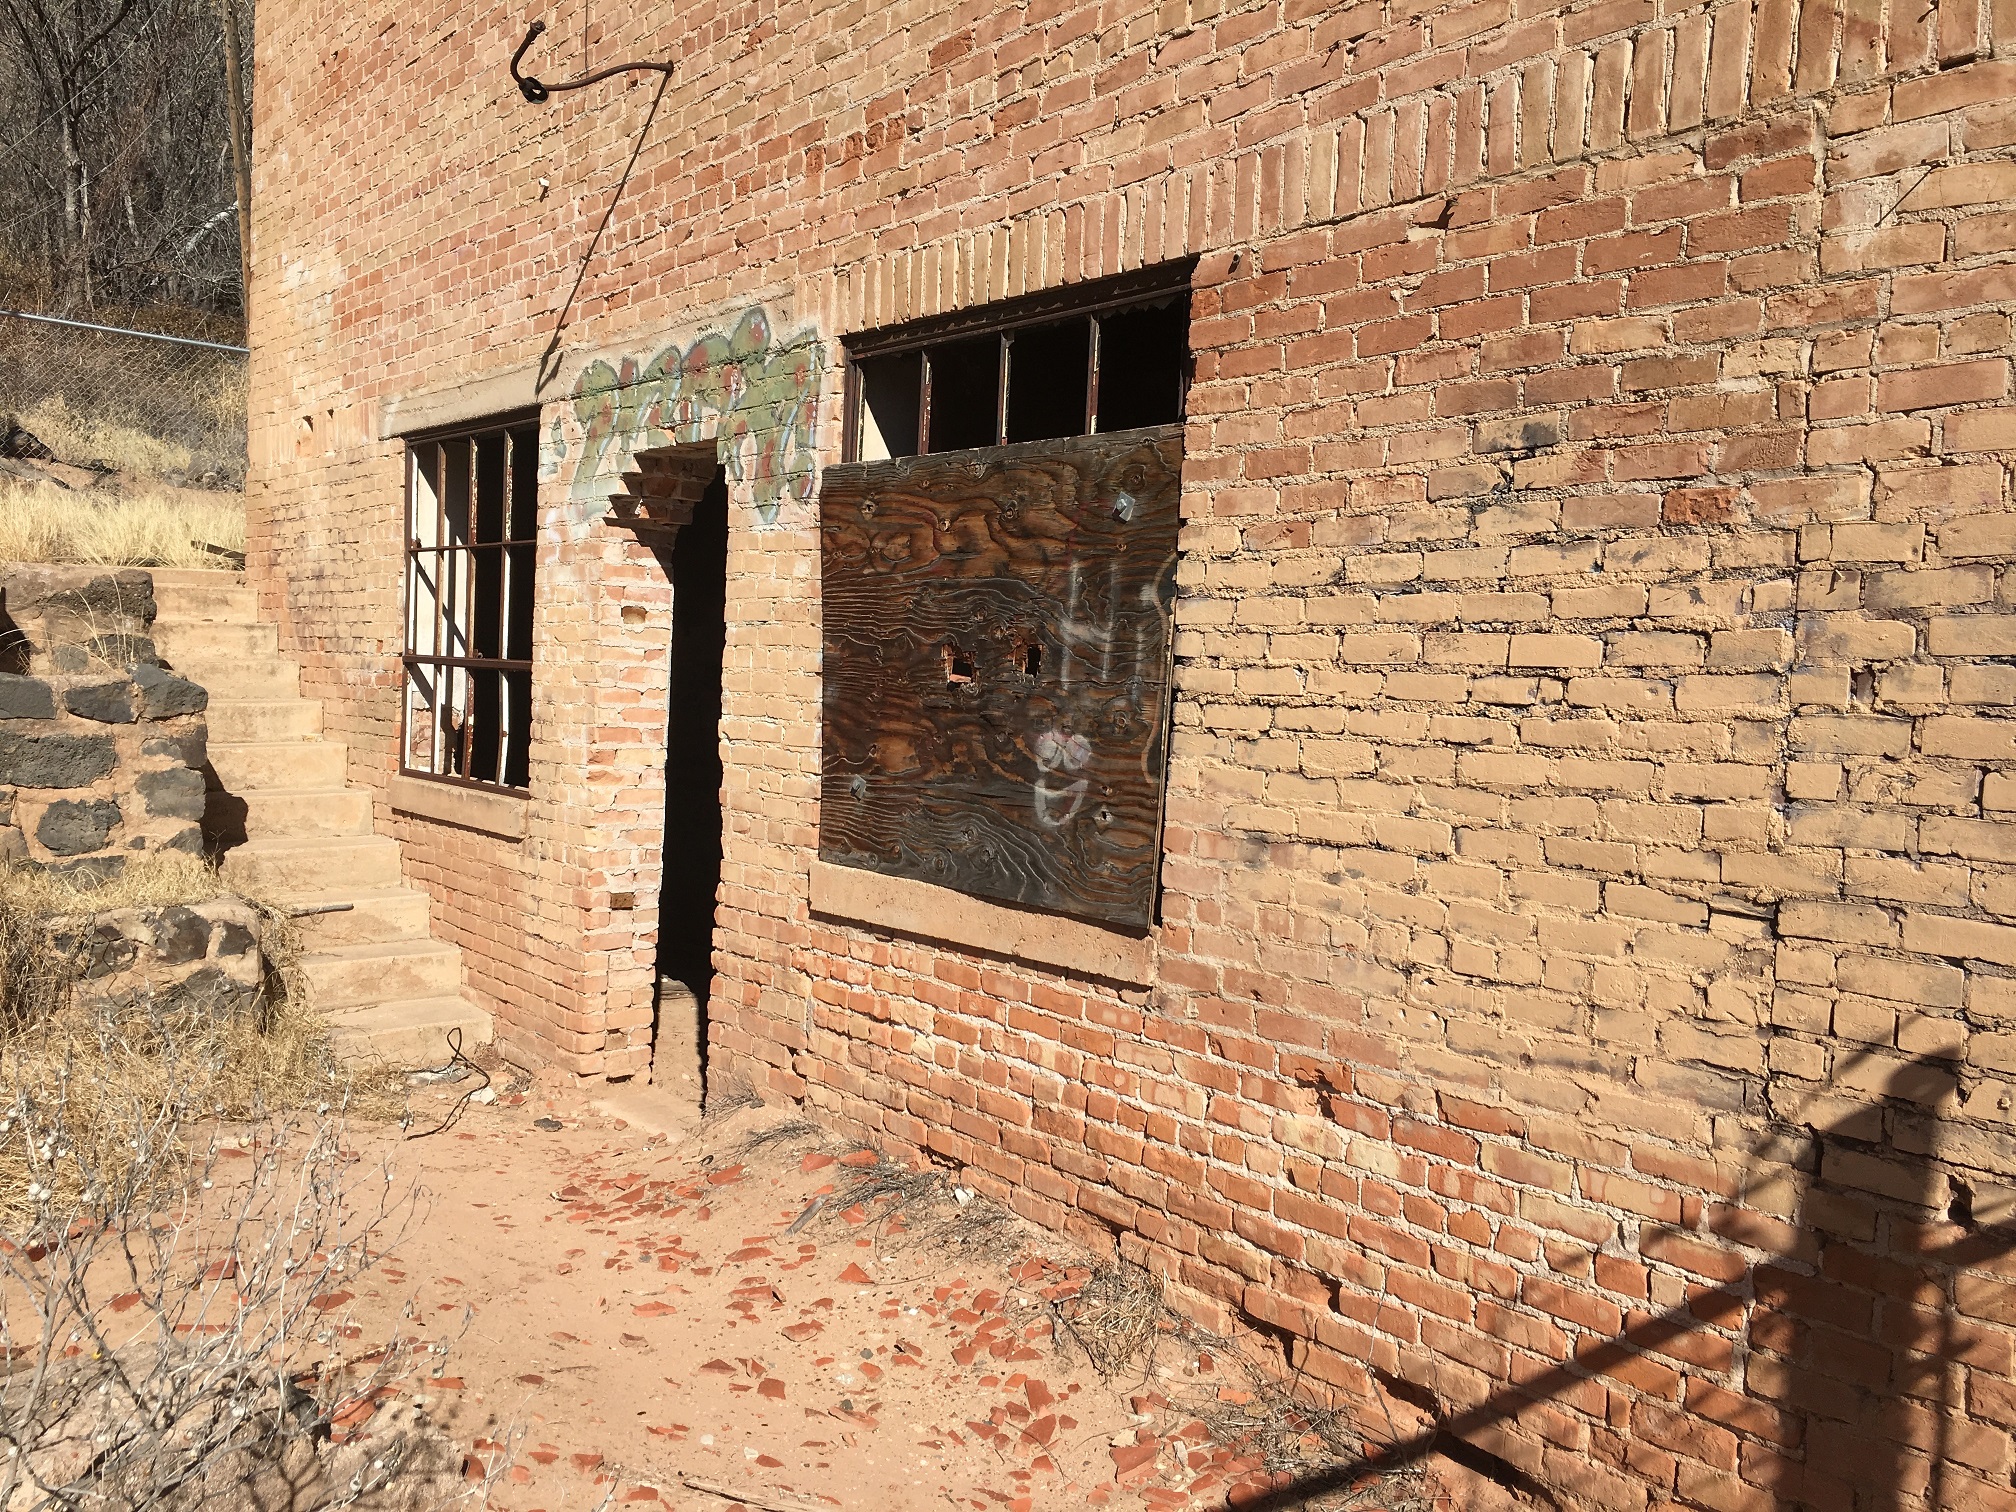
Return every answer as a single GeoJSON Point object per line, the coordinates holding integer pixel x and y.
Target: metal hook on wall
{"type": "Point", "coordinates": [538, 93]}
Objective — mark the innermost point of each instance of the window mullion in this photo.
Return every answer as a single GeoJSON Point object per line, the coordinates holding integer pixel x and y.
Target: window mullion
{"type": "Point", "coordinates": [468, 694]}
{"type": "Point", "coordinates": [1092, 378]}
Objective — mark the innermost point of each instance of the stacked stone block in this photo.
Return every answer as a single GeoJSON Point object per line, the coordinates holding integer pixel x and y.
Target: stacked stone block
{"type": "Point", "coordinates": [1584, 985]}
{"type": "Point", "coordinates": [101, 750]}
{"type": "Point", "coordinates": [200, 957]}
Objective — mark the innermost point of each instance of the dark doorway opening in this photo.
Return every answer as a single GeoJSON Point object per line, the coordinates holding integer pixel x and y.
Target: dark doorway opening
{"type": "Point", "coordinates": [692, 874]}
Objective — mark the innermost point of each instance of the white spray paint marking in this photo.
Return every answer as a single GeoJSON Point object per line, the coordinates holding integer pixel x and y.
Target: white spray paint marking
{"type": "Point", "coordinates": [1062, 752]}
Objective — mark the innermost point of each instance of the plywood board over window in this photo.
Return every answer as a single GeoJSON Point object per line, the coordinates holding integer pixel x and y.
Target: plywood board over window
{"type": "Point", "coordinates": [997, 653]}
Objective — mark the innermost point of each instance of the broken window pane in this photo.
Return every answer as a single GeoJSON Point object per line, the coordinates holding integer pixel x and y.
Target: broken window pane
{"type": "Point", "coordinates": [1144, 365]}
{"type": "Point", "coordinates": [965, 394]}
{"type": "Point", "coordinates": [1047, 366]}
{"type": "Point", "coordinates": [487, 589]}
{"type": "Point", "coordinates": [891, 390]}
{"type": "Point", "coordinates": [518, 728]}
{"type": "Point", "coordinates": [519, 558]}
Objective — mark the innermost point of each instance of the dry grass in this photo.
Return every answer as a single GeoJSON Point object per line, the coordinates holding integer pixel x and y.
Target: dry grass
{"type": "Point", "coordinates": [1114, 1316]}
{"type": "Point", "coordinates": [791, 1131]}
{"type": "Point", "coordinates": [125, 1066]}
{"type": "Point", "coordinates": [37, 977]}
{"type": "Point", "coordinates": [922, 1207]}
{"type": "Point", "coordinates": [153, 881]}
{"type": "Point", "coordinates": [149, 526]}
{"type": "Point", "coordinates": [93, 441]}
{"type": "Point", "coordinates": [147, 409]}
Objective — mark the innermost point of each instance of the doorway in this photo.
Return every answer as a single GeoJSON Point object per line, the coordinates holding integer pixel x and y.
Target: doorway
{"type": "Point", "coordinates": [692, 865]}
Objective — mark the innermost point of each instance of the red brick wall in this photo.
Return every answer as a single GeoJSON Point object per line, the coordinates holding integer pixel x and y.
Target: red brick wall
{"type": "Point", "coordinates": [1589, 891]}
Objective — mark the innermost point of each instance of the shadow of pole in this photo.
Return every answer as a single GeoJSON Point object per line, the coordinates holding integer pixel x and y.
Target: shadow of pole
{"type": "Point", "coordinates": [1797, 1305]}
{"type": "Point", "coordinates": [549, 360]}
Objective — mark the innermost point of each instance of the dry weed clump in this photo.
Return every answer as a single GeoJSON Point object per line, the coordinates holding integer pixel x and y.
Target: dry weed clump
{"type": "Point", "coordinates": [150, 525]}
{"type": "Point", "coordinates": [1113, 1316]}
{"type": "Point", "coordinates": [137, 1063]}
{"type": "Point", "coordinates": [181, 1231]}
{"type": "Point", "coordinates": [175, 1345]}
{"type": "Point", "coordinates": [152, 881]}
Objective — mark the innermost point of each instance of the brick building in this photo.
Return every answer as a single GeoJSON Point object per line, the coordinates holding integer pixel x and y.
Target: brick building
{"type": "Point", "coordinates": [1537, 930]}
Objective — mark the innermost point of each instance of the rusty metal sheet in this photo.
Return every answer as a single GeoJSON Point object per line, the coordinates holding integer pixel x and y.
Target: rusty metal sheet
{"type": "Point", "coordinates": [996, 681]}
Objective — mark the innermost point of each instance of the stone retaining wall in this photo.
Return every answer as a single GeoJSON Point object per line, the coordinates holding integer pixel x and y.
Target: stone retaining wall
{"type": "Point", "coordinates": [101, 751]}
{"type": "Point", "coordinates": [198, 955]}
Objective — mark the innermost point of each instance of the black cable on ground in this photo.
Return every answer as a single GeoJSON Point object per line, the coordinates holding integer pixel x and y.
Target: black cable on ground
{"type": "Point", "coordinates": [455, 1058]}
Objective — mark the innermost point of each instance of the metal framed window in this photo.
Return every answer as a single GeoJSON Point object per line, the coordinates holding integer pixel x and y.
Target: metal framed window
{"type": "Point", "coordinates": [1086, 360]}
{"type": "Point", "coordinates": [472, 509]}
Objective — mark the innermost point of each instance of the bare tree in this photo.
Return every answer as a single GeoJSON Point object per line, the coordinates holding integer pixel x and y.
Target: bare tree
{"type": "Point", "coordinates": [119, 184]}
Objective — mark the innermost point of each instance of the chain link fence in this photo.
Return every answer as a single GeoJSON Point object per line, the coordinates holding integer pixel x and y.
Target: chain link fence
{"type": "Point", "coordinates": [112, 400]}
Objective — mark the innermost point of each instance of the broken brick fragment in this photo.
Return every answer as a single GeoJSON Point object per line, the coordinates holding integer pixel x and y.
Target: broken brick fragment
{"type": "Point", "coordinates": [1128, 1457]}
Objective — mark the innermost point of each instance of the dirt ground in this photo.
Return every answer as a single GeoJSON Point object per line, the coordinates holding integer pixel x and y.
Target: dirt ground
{"type": "Point", "coordinates": [638, 1313]}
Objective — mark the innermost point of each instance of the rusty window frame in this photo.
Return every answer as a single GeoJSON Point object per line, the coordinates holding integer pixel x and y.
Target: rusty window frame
{"type": "Point", "coordinates": [441, 663]}
{"type": "Point", "coordinates": [1002, 319]}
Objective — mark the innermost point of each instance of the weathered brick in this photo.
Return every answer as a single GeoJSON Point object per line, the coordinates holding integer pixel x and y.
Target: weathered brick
{"type": "Point", "coordinates": [1591, 569]}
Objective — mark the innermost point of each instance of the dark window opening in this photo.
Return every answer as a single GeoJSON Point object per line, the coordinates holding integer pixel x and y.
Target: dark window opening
{"type": "Point", "coordinates": [891, 390]}
{"type": "Point", "coordinates": [958, 667]}
{"type": "Point", "coordinates": [1047, 368]}
{"type": "Point", "coordinates": [962, 384]}
{"type": "Point", "coordinates": [471, 545]}
{"type": "Point", "coordinates": [1143, 361]}
{"type": "Point", "coordinates": [1096, 358]}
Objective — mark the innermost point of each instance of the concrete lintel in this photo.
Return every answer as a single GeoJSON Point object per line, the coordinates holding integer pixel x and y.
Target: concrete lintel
{"type": "Point", "coordinates": [477, 399]}
{"type": "Point", "coordinates": [938, 913]}
{"type": "Point", "coordinates": [500, 814]}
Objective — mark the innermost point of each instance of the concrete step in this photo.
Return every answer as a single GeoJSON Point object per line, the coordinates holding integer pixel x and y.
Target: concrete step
{"type": "Point", "coordinates": [212, 640]}
{"type": "Point", "coordinates": [182, 577]}
{"type": "Point", "coordinates": [188, 597]}
{"type": "Point", "coordinates": [411, 1034]}
{"type": "Point", "coordinates": [242, 766]}
{"type": "Point", "coordinates": [293, 834]}
{"type": "Point", "coordinates": [355, 975]}
{"type": "Point", "coordinates": [286, 869]}
{"type": "Point", "coordinates": [239, 719]}
{"type": "Point", "coordinates": [376, 915]}
{"type": "Point", "coordinates": [243, 677]}
{"type": "Point", "coordinates": [284, 813]}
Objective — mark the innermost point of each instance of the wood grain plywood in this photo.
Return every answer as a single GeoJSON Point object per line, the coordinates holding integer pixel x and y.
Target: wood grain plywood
{"type": "Point", "coordinates": [996, 678]}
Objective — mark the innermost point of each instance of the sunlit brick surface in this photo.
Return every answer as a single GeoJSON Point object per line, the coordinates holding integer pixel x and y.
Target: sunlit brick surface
{"type": "Point", "coordinates": [1590, 874]}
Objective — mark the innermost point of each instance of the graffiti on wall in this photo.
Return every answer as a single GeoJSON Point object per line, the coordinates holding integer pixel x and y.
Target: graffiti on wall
{"type": "Point", "coordinates": [752, 393]}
